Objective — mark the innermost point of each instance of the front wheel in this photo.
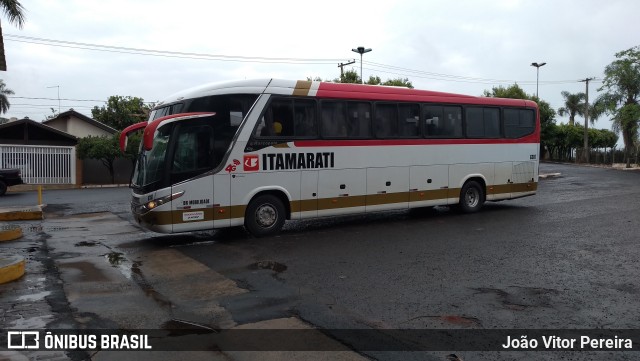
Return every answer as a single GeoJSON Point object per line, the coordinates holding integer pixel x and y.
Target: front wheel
{"type": "Point", "coordinates": [471, 197]}
{"type": "Point", "coordinates": [265, 216]}
{"type": "Point", "coordinates": [3, 188]}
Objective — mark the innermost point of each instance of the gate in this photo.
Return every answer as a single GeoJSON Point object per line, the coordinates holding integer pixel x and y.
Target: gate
{"type": "Point", "coordinates": [41, 164]}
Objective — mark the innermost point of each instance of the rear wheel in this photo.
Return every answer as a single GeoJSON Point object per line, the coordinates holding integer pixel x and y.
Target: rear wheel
{"type": "Point", "coordinates": [3, 188]}
{"type": "Point", "coordinates": [471, 197]}
{"type": "Point", "coordinates": [265, 215]}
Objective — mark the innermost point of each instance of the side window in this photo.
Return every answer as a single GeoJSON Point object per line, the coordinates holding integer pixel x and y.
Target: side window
{"type": "Point", "coordinates": [386, 120]}
{"type": "Point", "coordinates": [474, 122]}
{"type": "Point", "coordinates": [433, 121]}
{"type": "Point", "coordinates": [452, 126]}
{"type": "Point", "coordinates": [518, 122]}
{"type": "Point", "coordinates": [333, 119]}
{"type": "Point", "coordinates": [194, 151]}
{"type": "Point", "coordinates": [304, 119]}
{"type": "Point", "coordinates": [277, 120]}
{"type": "Point", "coordinates": [482, 122]}
{"type": "Point", "coordinates": [409, 120]}
{"type": "Point", "coordinates": [358, 119]}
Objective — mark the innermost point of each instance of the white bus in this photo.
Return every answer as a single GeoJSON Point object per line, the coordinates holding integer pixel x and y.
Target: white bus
{"type": "Point", "coordinates": [257, 153]}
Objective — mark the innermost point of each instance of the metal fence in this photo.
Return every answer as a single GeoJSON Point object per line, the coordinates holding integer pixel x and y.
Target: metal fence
{"type": "Point", "coordinates": [41, 164]}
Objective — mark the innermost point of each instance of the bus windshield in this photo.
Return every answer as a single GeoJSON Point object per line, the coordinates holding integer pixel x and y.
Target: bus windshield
{"type": "Point", "coordinates": [150, 165]}
{"type": "Point", "coordinates": [186, 148]}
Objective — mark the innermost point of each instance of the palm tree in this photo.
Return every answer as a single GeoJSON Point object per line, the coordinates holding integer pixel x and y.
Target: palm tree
{"type": "Point", "coordinates": [622, 98]}
{"type": "Point", "coordinates": [4, 101]}
{"type": "Point", "coordinates": [573, 105]}
{"type": "Point", "coordinates": [15, 13]}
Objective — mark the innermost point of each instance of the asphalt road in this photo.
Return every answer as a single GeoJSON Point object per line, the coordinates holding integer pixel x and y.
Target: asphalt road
{"type": "Point", "coordinates": [563, 259]}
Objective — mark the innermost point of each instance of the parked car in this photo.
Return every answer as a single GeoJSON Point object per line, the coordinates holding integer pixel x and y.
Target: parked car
{"type": "Point", "coordinates": [9, 177]}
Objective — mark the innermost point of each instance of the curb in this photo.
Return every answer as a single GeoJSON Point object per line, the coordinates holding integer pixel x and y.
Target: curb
{"type": "Point", "coordinates": [21, 213]}
{"type": "Point", "coordinates": [10, 233]}
{"type": "Point", "coordinates": [11, 268]}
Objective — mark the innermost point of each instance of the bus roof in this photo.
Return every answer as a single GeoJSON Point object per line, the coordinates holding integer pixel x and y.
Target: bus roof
{"type": "Point", "coordinates": [338, 91]}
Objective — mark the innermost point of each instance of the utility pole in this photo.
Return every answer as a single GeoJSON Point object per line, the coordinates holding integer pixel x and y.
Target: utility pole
{"type": "Point", "coordinates": [342, 65]}
{"type": "Point", "coordinates": [585, 150]}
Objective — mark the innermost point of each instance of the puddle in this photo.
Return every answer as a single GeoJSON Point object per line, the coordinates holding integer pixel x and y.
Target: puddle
{"type": "Point", "coordinates": [176, 324]}
{"type": "Point", "coordinates": [85, 244]}
{"type": "Point", "coordinates": [272, 265]}
{"type": "Point", "coordinates": [34, 297]}
{"type": "Point", "coordinates": [115, 258]}
{"type": "Point", "coordinates": [32, 323]}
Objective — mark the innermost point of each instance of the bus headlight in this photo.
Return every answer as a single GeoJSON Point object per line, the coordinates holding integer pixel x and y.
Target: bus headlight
{"type": "Point", "coordinates": [144, 208]}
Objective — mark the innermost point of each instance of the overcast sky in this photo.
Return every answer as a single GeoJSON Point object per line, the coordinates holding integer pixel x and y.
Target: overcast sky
{"type": "Point", "coordinates": [454, 46]}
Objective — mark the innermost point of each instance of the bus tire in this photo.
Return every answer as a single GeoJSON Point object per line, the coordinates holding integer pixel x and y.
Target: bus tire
{"type": "Point", "coordinates": [265, 216]}
{"type": "Point", "coordinates": [3, 188]}
{"type": "Point", "coordinates": [471, 197]}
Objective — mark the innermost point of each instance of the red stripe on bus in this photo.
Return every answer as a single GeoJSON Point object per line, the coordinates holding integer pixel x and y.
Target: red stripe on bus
{"type": "Point", "coordinates": [405, 142]}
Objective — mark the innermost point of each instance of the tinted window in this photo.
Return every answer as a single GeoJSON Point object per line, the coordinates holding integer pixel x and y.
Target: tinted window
{"type": "Point", "coordinates": [409, 120]}
{"type": "Point", "coordinates": [333, 119]}
{"type": "Point", "coordinates": [474, 121]}
{"type": "Point", "coordinates": [443, 121]}
{"type": "Point", "coordinates": [358, 119]}
{"type": "Point", "coordinates": [277, 120]}
{"type": "Point", "coordinates": [194, 150]}
{"type": "Point", "coordinates": [483, 122]}
{"type": "Point", "coordinates": [305, 123]}
{"type": "Point", "coordinates": [386, 120]}
{"type": "Point", "coordinates": [518, 122]}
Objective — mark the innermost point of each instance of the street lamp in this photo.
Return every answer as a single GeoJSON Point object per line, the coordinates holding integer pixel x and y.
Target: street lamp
{"type": "Point", "coordinates": [537, 65]}
{"type": "Point", "coordinates": [361, 50]}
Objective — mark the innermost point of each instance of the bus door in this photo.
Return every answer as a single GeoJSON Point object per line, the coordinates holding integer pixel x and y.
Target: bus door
{"type": "Point", "coordinates": [191, 164]}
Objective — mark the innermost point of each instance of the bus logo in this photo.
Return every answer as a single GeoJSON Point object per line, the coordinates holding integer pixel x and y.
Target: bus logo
{"type": "Point", "coordinates": [251, 163]}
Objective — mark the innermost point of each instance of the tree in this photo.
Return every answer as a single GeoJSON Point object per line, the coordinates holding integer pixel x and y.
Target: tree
{"type": "Point", "coordinates": [573, 105]}
{"type": "Point", "coordinates": [513, 91]}
{"type": "Point", "coordinates": [349, 76]}
{"type": "Point", "coordinates": [622, 94]}
{"type": "Point", "coordinates": [121, 112]}
{"type": "Point", "coordinates": [103, 148]}
{"type": "Point", "coordinates": [4, 100]}
{"type": "Point", "coordinates": [15, 14]}
{"type": "Point", "coordinates": [399, 82]}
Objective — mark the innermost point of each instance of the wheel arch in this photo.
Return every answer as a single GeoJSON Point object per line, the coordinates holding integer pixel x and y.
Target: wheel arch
{"type": "Point", "coordinates": [479, 178]}
{"type": "Point", "coordinates": [278, 192]}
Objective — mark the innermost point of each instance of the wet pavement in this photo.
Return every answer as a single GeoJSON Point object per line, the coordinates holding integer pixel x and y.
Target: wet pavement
{"type": "Point", "coordinates": [565, 258]}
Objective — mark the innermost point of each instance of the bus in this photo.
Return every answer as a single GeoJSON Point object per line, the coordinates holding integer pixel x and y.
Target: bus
{"type": "Point", "coordinates": [256, 153]}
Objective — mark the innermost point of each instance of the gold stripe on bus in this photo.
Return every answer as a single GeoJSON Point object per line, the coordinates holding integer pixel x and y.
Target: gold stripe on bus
{"type": "Point", "coordinates": [387, 198]}
{"type": "Point", "coordinates": [499, 189]}
{"type": "Point", "coordinates": [428, 195]}
{"type": "Point", "coordinates": [306, 205]}
{"type": "Point", "coordinates": [341, 202]}
{"type": "Point", "coordinates": [524, 187]}
{"type": "Point", "coordinates": [302, 88]}
{"type": "Point", "coordinates": [237, 211]}
{"type": "Point", "coordinates": [281, 145]}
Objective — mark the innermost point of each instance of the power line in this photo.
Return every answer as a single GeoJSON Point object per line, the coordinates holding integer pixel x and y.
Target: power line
{"type": "Point", "coordinates": [72, 100]}
{"type": "Point", "coordinates": [164, 53]}
{"type": "Point", "coordinates": [455, 78]}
